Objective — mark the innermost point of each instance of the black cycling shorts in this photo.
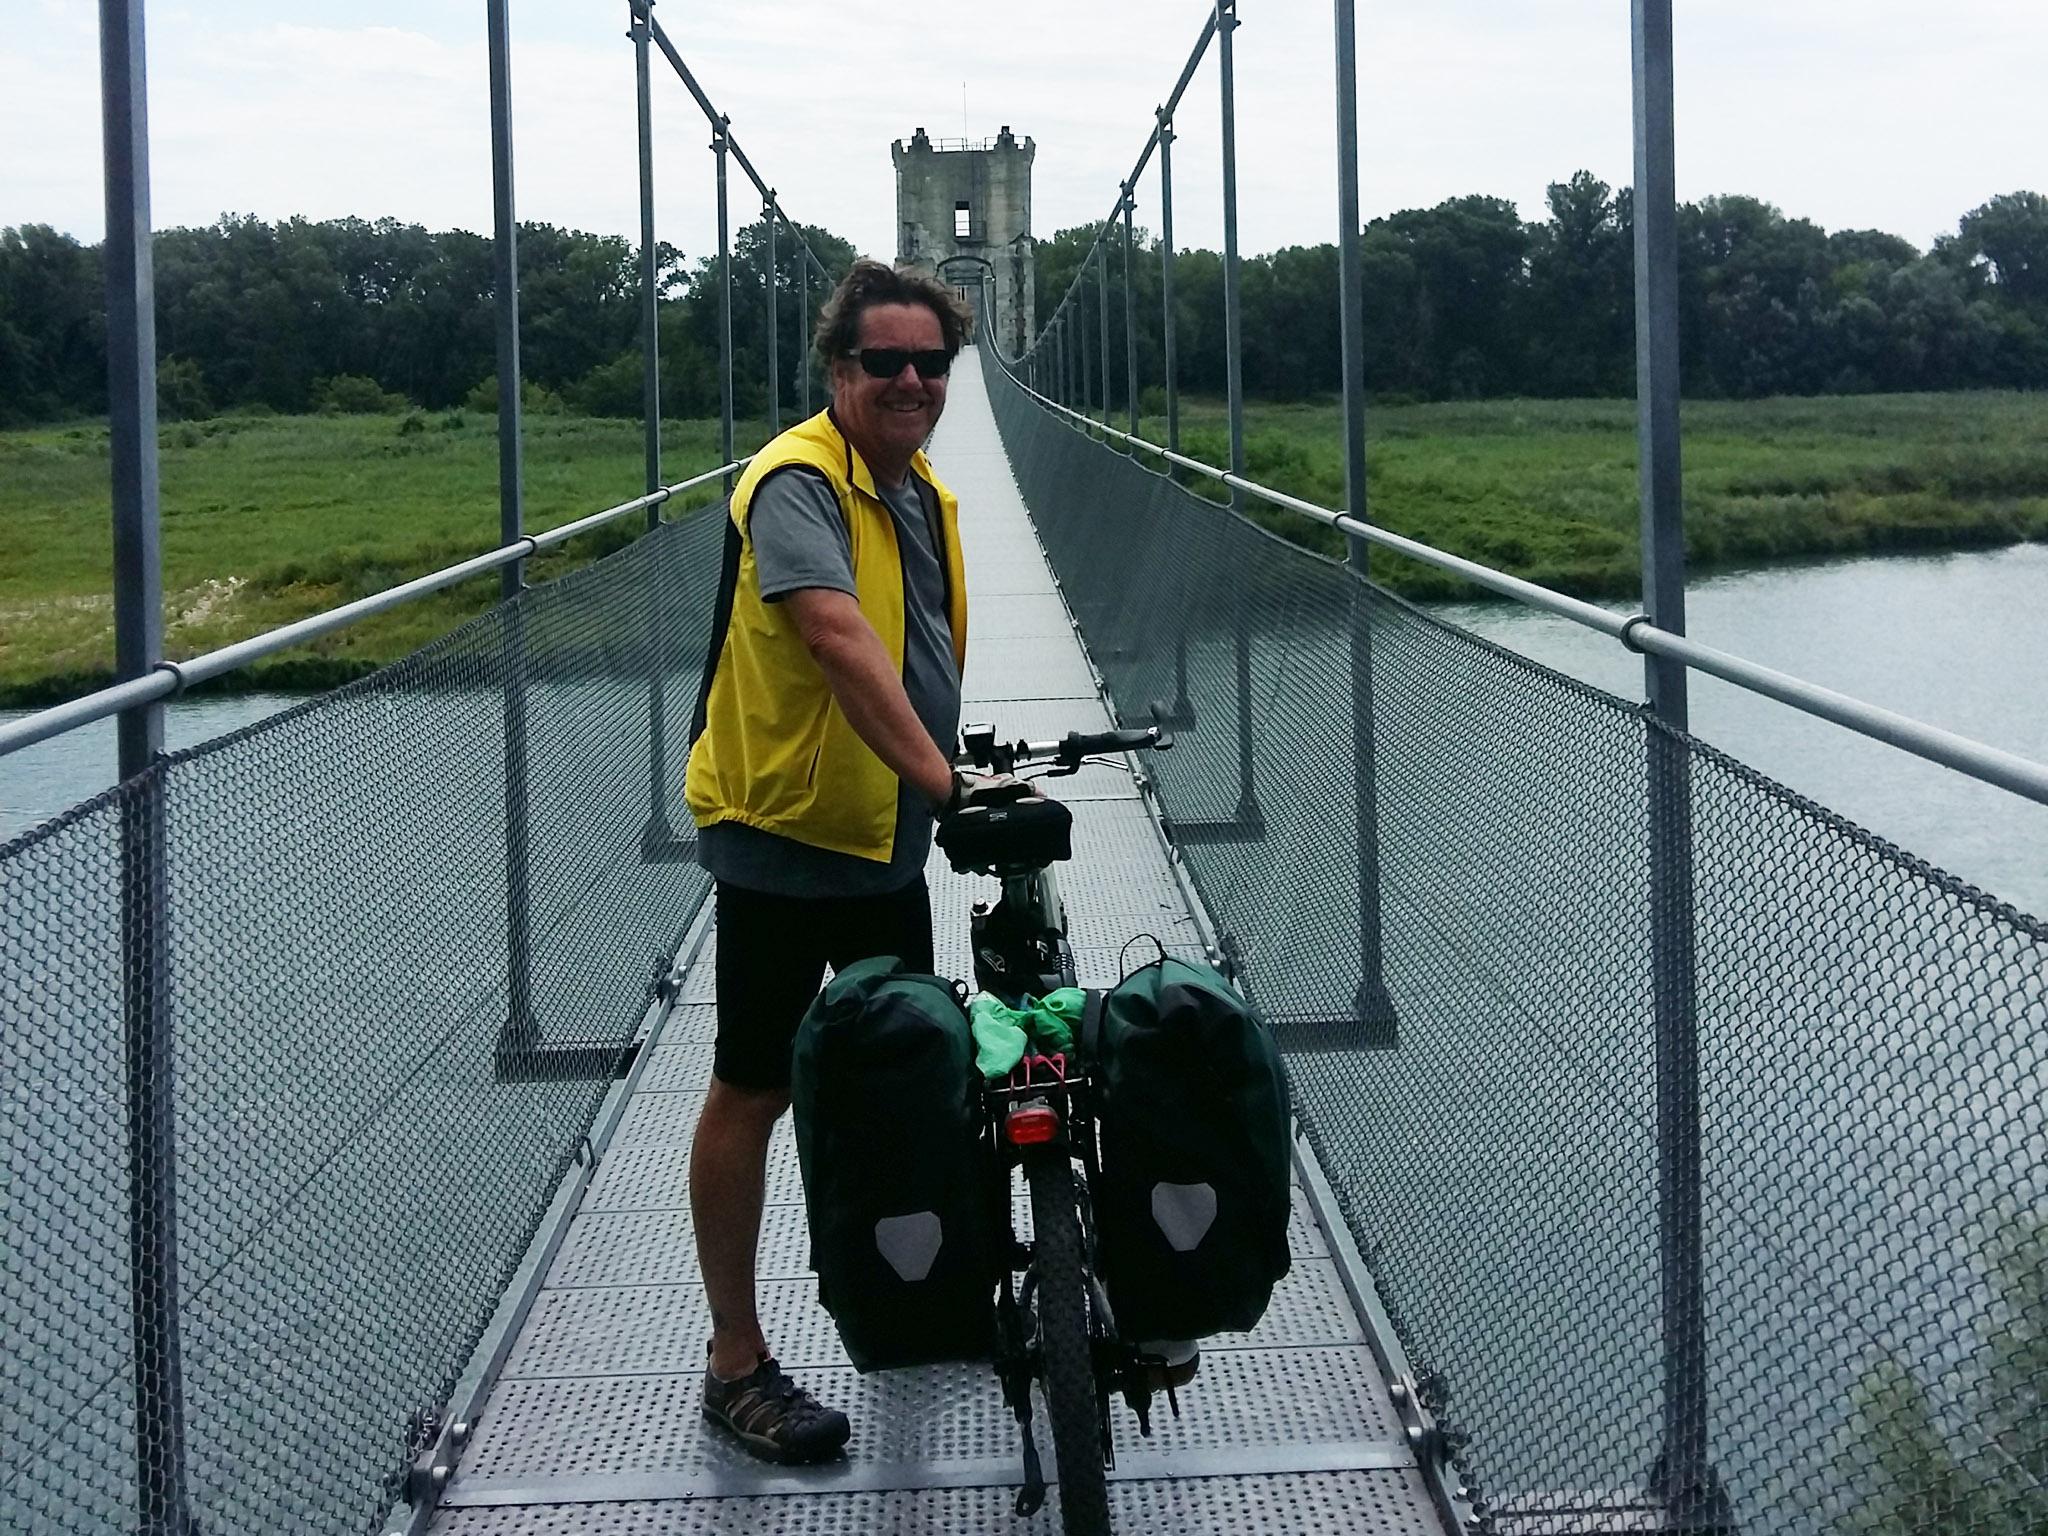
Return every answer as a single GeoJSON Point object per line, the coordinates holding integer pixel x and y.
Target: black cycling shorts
{"type": "Point", "coordinates": [772, 954]}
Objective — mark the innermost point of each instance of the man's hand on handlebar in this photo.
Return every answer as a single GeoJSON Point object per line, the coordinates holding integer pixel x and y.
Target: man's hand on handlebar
{"type": "Point", "coordinates": [984, 789]}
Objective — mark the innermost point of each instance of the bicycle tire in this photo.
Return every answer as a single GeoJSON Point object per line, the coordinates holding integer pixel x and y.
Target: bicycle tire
{"type": "Point", "coordinates": [1066, 1359]}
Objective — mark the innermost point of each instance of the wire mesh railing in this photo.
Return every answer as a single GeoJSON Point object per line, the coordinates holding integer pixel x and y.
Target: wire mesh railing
{"type": "Point", "coordinates": [369, 1117]}
{"type": "Point", "coordinates": [305, 1029]}
{"type": "Point", "coordinates": [1872, 1072]}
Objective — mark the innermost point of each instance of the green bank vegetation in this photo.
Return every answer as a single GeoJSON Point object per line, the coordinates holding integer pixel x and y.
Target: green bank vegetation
{"type": "Point", "coordinates": [1512, 337]}
{"type": "Point", "coordinates": [1963, 1448]}
{"type": "Point", "coordinates": [1547, 488]}
{"type": "Point", "coordinates": [267, 519]}
{"type": "Point", "coordinates": [270, 518]}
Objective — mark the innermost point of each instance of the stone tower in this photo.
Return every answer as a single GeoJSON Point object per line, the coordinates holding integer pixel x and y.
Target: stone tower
{"type": "Point", "coordinates": [963, 207]}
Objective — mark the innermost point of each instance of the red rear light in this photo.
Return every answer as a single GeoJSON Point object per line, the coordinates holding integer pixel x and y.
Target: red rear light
{"type": "Point", "coordinates": [1030, 1124]}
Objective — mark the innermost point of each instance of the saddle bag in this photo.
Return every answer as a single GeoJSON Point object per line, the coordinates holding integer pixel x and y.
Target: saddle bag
{"type": "Point", "coordinates": [898, 1178]}
{"type": "Point", "coordinates": [1193, 1195]}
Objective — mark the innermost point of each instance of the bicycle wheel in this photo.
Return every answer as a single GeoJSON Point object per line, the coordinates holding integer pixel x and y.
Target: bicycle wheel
{"type": "Point", "coordinates": [1067, 1362]}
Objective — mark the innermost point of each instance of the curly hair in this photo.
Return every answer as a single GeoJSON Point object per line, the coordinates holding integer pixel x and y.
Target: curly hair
{"type": "Point", "coordinates": [869, 283]}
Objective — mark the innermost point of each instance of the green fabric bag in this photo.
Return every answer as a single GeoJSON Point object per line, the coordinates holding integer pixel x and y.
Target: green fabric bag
{"type": "Point", "coordinates": [899, 1186]}
{"type": "Point", "coordinates": [1193, 1198]}
{"type": "Point", "coordinates": [1002, 1032]}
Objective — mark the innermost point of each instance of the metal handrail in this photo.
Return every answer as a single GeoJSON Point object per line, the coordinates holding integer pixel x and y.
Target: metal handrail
{"type": "Point", "coordinates": [171, 678]}
{"type": "Point", "coordinates": [1975, 759]}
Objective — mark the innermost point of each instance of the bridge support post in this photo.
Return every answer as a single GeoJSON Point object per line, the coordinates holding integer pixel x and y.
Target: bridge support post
{"type": "Point", "coordinates": [650, 357]}
{"type": "Point", "coordinates": [1130, 321]}
{"type": "Point", "coordinates": [522, 1031]}
{"type": "Point", "coordinates": [1070, 352]}
{"type": "Point", "coordinates": [1168, 360]}
{"type": "Point", "coordinates": [1249, 818]}
{"type": "Point", "coordinates": [1066, 358]}
{"type": "Point", "coordinates": [148, 1043]}
{"type": "Point", "coordinates": [1183, 717]}
{"type": "Point", "coordinates": [774, 340]}
{"type": "Point", "coordinates": [718, 151]}
{"type": "Point", "coordinates": [658, 840]}
{"type": "Point", "coordinates": [1102, 320]}
{"type": "Point", "coordinates": [1372, 1005]}
{"type": "Point", "coordinates": [1084, 341]}
{"type": "Point", "coordinates": [1683, 1477]}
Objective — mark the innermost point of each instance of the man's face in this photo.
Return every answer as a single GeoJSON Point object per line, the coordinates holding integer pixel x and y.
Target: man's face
{"type": "Point", "coordinates": [889, 419]}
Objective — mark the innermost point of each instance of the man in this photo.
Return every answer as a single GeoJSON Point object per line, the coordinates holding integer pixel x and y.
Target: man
{"type": "Point", "coordinates": [830, 709]}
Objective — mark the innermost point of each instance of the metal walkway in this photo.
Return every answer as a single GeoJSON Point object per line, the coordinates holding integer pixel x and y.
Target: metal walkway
{"type": "Point", "coordinates": [593, 1424]}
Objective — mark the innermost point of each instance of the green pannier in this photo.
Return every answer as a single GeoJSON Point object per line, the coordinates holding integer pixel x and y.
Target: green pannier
{"type": "Point", "coordinates": [1192, 1201]}
{"type": "Point", "coordinates": [898, 1182]}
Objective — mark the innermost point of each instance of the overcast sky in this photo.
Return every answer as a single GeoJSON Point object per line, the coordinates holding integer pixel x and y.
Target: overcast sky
{"type": "Point", "coordinates": [1893, 114]}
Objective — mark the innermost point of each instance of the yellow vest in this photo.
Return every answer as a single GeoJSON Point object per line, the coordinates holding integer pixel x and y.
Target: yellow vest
{"type": "Point", "coordinates": [775, 751]}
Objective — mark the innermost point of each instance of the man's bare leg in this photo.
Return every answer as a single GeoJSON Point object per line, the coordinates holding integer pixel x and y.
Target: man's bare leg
{"type": "Point", "coordinates": [728, 1182]}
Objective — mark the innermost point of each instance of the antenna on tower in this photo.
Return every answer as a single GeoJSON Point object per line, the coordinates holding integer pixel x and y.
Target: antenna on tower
{"type": "Point", "coordinates": [963, 111]}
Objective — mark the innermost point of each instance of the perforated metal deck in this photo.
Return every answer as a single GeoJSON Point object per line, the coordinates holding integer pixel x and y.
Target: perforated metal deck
{"type": "Point", "coordinates": [593, 1425]}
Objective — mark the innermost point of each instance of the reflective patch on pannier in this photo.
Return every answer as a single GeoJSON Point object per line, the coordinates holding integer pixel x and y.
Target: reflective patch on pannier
{"type": "Point", "coordinates": [910, 1243]}
{"type": "Point", "coordinates": [1185, 1212]}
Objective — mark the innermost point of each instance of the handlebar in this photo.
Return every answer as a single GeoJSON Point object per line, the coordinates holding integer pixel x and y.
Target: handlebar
{"type": "Point", "coordinates": [980, 748]}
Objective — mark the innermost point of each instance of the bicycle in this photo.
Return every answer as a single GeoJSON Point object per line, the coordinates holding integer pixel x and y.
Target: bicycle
{"type": "Point", "coordinates": [1056, 1324]}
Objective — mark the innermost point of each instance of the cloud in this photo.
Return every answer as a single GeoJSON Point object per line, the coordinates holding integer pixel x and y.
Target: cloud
{"type": "Point", "coordinates": [1902, 121]}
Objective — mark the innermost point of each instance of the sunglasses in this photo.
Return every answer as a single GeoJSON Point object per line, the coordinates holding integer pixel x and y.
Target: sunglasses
{"type": "Point", "coordinates": [888, 362]}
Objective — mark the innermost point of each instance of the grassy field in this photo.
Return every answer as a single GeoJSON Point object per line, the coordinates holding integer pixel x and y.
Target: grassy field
{"type": "Point", "coordinates": [1547, 489]}
{"type": "Point", "coordinates": [267, 519]}
{"type": "Point", "coordinates": [270, 518]}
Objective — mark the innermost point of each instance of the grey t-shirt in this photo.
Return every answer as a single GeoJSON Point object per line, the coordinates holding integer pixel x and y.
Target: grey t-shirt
{"type": "Point", "coordinates": [800, 540]}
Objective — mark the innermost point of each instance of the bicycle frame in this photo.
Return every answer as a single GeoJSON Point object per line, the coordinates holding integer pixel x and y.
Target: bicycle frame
{"type": "Point", "coordinates": [1020, 942]}
{"type": "Point", "coordinates": [1042, 1117]}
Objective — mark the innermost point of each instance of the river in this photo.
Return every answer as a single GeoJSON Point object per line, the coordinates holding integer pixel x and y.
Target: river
{"type": "Point", "coordinates": [1959, 641]}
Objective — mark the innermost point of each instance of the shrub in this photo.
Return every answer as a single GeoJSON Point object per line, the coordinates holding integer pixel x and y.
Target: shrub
{"type": "Point", "coordinates": [350, 394]}
{"type": "Point", "coordinates": [414, 422]}
{"type": "Point", "coordinates": [610, 389]}
{"type": "Point", "coordinates": [181, 393]}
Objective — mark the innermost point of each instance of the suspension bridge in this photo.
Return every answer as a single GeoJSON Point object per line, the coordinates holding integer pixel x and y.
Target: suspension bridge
{"type": "Point", "coordinates": [1672, 1153]}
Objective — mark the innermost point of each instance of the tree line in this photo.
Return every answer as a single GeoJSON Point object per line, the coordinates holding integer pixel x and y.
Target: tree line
{"type": "Point", "coordinates": [360, 314]}
{"type": "Point", "coordinates": [1463, 300]}
{"type": "Point", "coordinates": [1467, 300]}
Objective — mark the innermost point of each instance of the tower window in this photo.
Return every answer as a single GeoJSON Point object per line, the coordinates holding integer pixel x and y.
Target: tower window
{"type": "Point", "coordinates": [963, 221]}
